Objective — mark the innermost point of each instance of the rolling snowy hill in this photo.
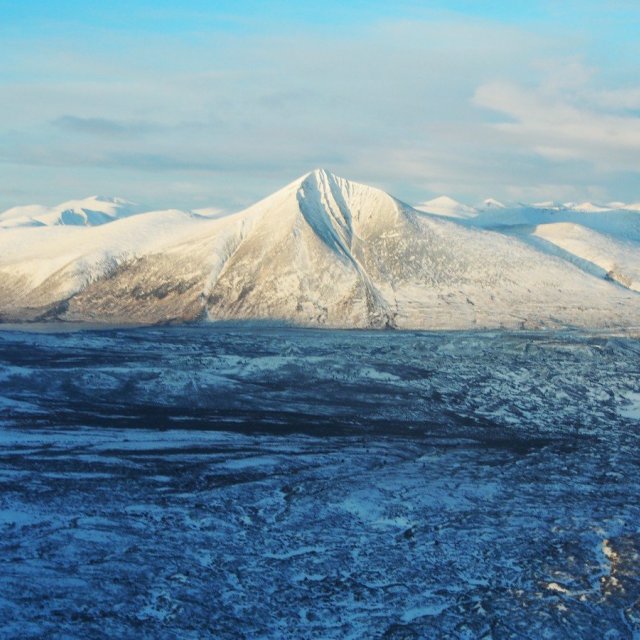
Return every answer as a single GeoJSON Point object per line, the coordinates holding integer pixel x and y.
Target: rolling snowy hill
{"type": "Point", "coordinates": [324, 251]}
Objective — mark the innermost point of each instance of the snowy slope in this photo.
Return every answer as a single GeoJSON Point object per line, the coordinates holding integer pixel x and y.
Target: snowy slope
{"type": "Point", "coordinates": [95, 210]}
{"type": "Point", "coordinates": [322, 251]}
{"type": "Point", "coordinates": [597, 253]}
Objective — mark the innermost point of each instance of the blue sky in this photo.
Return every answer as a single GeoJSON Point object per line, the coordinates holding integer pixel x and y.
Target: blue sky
{"type": "Point", "coordinates": [219, 103]}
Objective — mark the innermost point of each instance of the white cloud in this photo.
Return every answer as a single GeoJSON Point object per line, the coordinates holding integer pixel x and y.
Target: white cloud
{"type": "Point", "coordinates": [564, 121]}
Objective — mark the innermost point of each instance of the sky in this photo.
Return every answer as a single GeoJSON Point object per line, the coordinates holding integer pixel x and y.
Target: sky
{"type": "Point", "coordinates": [209, 103]}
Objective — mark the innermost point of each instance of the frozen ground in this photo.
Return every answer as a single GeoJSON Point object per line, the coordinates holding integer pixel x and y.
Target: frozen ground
{"type": "Point", "coordinates": [276, 483]}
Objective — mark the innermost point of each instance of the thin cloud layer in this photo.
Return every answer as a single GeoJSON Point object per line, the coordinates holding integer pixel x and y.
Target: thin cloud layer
{"type": "Point", "coordinates": [569, 122]}
{"type": "Point", "coordinates": [103, 126]}
{"type": "Point", "coordinates": [469, 105]}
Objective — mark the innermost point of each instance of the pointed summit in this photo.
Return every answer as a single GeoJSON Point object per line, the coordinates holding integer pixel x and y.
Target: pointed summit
{"type": "Point", "coordinates": [322, 195]}
{"type": "Point", "coordinates": [328, 201]}
{"type": "Point", "coordinates": [335, 210]}
{"type": "Point", "coordinates": [321, 173]}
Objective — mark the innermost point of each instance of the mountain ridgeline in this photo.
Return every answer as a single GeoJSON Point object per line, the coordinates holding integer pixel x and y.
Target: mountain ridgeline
{"type": "Point", "coordinates": [324, 251]}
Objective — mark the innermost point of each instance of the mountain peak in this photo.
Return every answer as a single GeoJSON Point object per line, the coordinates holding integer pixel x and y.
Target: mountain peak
{"type": "Point", "coordinates": [322, 175]}
{"type": "Point", "coordinates": [492, 203]}
{"type": "Point", "coordinates": [332, 189]}
{"type": "Point", "coordinates": [321, 172]}
{"type": "Point", "coordinates": [445, 200]}
{"type": "Point", "coordinates": [448, 207]}
{"type": "Point", "coordinates": [342, 199]}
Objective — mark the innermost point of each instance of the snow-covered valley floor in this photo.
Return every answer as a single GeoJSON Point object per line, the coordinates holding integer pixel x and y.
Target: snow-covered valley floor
{"type": "Point", "coordinates": [256, 482]}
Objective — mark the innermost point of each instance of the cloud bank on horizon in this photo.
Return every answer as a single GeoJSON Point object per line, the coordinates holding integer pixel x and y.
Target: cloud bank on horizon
{"type": "Point", "coordinates": [197, 106]}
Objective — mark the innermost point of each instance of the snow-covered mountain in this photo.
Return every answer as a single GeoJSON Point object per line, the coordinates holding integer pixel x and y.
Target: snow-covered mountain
{"type": "Point", "coordinates": [322, 251]}
{"type": "Point", "coordinates": [92, 211]}
{"type": "Point", "coordinates": [491, 203]}
{"type": "Point", "coordinates": [448, 207]}
{"type": "Point", "coordinates": [590, 207]}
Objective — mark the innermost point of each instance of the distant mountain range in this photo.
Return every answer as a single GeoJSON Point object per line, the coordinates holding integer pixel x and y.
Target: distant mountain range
{"type": "Point", "coordinates": [446, 206]}
{"type": "Point", "coordinates": [324, 251]}
{"type": "Point", "coordinates": [91, 211]}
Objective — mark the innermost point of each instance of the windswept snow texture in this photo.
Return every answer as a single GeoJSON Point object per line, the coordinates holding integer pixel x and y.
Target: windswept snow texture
{"type": "Point", "coordinates": [210, 482]}
{"type": "Point", "coordinates": [324, 251]}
